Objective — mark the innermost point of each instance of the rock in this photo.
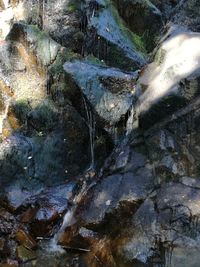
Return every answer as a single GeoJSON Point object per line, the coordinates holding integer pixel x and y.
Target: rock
{"type": "Point", "coordinates": [127, 159]}
{"type": "Point", "coordinates": [185, 256]}
{"type": "Point", "coordinates": [4, 250]}
{"type": "Point", "coordinates": [106, 29]}
{"type": "Point", "coordinates": [24, 254]}
{"type": "Point", "coordinates": [109, 91]}
{"type": "Point", "coordinates": [143, 18]}
{"type": "Point", "coordinates": [32, 158]}
{"type": "Point", "coordinates": [29, 215]}
{"type": "Point", "coordinates": [186, 14]}
{"type": "Point", "coordinates": [168, 155]}
{"type": "Point", "coordinates": [191, 182]}
{"type": "Point", "coordinates": [115, 194]}
{"type": "Point", "coordinates": [176, 70]}
{"type": "Point", "coordinates": [6, 17]}
{"type": "Point", "coordinates": [50, 207]}
{"type": "Point", "coordinates": [7, 223]}
{"type": "Point", "coordinates": [165, 223]}
{"type": "Point", "coordinates": [167, 7]}
{"type": "Point", "coordinates": [45, 48]}
{"type": "Point", "coordinates": [60, 19]}
{"type": "Point", "coordinates": [174, 194]}
{"type": "Point", "coordinates": [177, 142]}
{"type": "Point", "coordinates": [76, 239]}
{"type": "Point", "coordinates": [25, 239]}
{"type": "Point", "coordinates": [138, 239]}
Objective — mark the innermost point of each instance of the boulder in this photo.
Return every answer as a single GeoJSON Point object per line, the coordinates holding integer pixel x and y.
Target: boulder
{"type": "Point", "coordinates": [109, 91]}
{"type": "Point", "coordinates": [186, 14]}
{"type": "Point", "coordinates": [109, 39]}
{"type": "Point", "coordinates": [116, 194]}
{"type": "Point", "coordinates": [142, 18]}
{"type": "Point", "coordinates": [166, 223]}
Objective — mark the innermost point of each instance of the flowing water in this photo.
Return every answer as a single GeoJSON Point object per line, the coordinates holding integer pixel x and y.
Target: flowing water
{"type": "Point", "coordinates": [91, 127]}
{"type": "Point", "coordinates": [69, 218]}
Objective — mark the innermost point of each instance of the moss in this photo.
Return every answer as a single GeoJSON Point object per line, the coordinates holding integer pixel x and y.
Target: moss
{"type": "Point", "coordinates": [73, 5]}
{"type": "Point", "coordinates": [136, 39]}
{"type": "Point", "coordinates": [46, 116]}
{"type": "Point", "coordinates": [2, 105]}
{"type": "Point", "coordinates": [95, 60]}
{"type": "Point", "coordinates": [36, 32]}
{"type": "Point", "coordinates": [120, 60]}
{"type": "Point", "coordinates": [139, 42]}
{"type": "Point", "coordinates": [21, 110]}
{"type": "Point", "coordinates": [63, 56]}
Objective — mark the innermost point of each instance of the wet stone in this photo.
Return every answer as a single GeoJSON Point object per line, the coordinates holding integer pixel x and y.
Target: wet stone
{"type": "Point", "coordinates": [4, 250]}
{"type": "Point", "coordinates": [25, 239]}
{"type": "Point", "coordinates": [25, 254]}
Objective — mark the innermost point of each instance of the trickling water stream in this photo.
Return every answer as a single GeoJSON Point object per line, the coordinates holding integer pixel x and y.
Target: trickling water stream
{"type": "Point", "coordinates": [91, 127]}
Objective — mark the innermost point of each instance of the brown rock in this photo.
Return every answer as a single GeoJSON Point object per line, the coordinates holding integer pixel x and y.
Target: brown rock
{"type": "Point", "coordinates": [24, 254]}
{"type": "Point", "coordinates": [4, 251]}
{"type": "Point", "coordinates": [29, 215]}
{"type": "Point", "coordinates": [67, 236]}
{"type": "Point", "coordinates": [25, 239]}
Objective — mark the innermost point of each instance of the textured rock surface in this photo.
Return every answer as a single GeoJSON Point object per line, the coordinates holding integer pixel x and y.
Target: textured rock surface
{"type": "Point", "coordinates": [110, 91]}
{"type": "Point", "coordinates": [73, 76]}
{"type": "Point", "coordinates": [109, 39]}
{"type": "Point", "coordinates": [143, 18]}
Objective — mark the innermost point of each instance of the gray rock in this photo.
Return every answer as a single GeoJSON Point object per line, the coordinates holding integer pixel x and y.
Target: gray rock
{"type": "Point", "coordinates": [44, 47]}
{"type": "Point", "coordinates": [187, 14]}
{"type": "Point", "coordinates": [60, 19]}
{"type": "Point", "coordinates": [143, 18]}
{"type": "Point", "coordinates": [109, 91]}
{"type": "Point", "coordinates": [123, 48]}
{"type": "Point", "coordinates": [115, 190]}
{"type": "Point", "coordinates": [141, 234]}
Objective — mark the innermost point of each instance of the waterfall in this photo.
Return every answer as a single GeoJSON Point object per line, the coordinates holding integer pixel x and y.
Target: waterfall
{"type": "Point", "coordinates": [69, 218]}
{"type": "Point", "coordinates": [132, 122]}
{"type": "Point", "coordinates": [91, 126]}
{"type": "Point", "coordinates": [67, 221]}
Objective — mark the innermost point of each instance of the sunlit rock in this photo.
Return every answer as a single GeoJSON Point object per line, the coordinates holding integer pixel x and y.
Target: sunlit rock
{"type": "Point", "coordinates": [108, 90]}
{"type": "Point", "coordinates": [6, 17]}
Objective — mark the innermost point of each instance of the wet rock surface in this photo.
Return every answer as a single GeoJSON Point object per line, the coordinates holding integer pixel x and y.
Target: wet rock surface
{"type": "Point", "coordinates": [109, 91]}
{"type": "Point", "coordinates": [143, 18]}
{"type": "Point", "coordinates": [99, 140]}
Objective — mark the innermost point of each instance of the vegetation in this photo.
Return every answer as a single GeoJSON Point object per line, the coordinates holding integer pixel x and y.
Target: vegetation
{"type": "Point", "coordinates": [21, 109]}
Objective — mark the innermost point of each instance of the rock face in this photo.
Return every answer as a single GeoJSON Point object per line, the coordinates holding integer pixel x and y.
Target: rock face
{"type": "Point", "coordinates": [143, 18]}
{"type": "Point", "coordinates": [110, 91]}
{"type": "Point", "coordinates": [107, 198]}
{"type": "Point", "coordinates": [110, 40]}
{"type": "Point", "coordinates": [76, 77]}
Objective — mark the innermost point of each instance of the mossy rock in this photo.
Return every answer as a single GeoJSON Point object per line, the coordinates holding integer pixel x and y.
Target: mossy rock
{"type": "Point", "coordinates": [21, 109]}
{"type": "Point", "coordinates": [142, 18]}
{"type": "Point", "coordinates": [44, 117]}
